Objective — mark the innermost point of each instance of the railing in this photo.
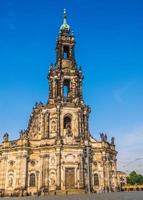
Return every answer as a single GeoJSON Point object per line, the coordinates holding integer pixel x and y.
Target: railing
{"type": "Point", "coordinates": [132, 188]}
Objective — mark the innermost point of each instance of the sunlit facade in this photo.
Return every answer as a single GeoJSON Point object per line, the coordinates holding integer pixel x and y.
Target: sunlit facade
{"type": "Point", "coordinates": [57, 153]}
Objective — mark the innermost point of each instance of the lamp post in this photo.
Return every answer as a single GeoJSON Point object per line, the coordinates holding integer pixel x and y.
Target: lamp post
{"type": "Point", "coordinates": [37, 175]}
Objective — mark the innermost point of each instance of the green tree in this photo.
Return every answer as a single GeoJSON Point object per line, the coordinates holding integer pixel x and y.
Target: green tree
{"type": "Point", "coordinates": [135, 178]}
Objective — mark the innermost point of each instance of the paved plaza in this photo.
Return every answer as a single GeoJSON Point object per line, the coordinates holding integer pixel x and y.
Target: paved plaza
{"type": "Point", "coordinates": [108, 196]}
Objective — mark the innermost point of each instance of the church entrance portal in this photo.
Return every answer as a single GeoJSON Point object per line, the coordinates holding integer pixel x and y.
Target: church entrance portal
{"type": "Point", "coordinates": [69, 178]}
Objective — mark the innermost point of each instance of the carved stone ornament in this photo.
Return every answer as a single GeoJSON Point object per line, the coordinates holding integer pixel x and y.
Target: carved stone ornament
{"type": "Point", "coordinates": [32, 162]}
{"type": "Point", "coordinates": [53, 126]}
{"type": "Point", "coordinates": [70, 158]}
{"type": "Point", "coordinates": [53, 160]}
{"type": "Point", "coordinates": [11, 163]}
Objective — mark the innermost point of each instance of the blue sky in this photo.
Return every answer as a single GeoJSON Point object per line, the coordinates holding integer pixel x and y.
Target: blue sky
{"type": "Point", "coordinates": [109, 36]}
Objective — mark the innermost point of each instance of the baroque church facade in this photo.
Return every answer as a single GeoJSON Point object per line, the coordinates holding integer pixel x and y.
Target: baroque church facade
{"type": "Point", "coordinates": [57, 153]}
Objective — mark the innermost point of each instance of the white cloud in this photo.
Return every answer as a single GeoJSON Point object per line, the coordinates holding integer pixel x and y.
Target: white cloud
{"type": "Point", "coordinates": [130, 150]}
{"type": "Point", "coordinates": [120, 92]}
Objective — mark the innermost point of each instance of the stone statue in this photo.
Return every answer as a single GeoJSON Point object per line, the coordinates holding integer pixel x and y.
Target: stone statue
{"type": "Point", "coordinates": [113, 141]}
{"type": "Point", "coordinates": [102, 136]}
{"type": "Point", "coordinates": [10, 181]}
{"type": "Point", "coordinates": [53, 181]}
{"type": "Point", "coordinates": [21, 134]}
{"type": "Point", "coordinates": [40, 103]}
{"type": "Point", "coordinates": [105, 137]}
{"type": "Point", "coordinates": [5, 137]}
{"type": "Point", "coordinates": [69, 132]}
{"type": "Point", "coordinates": [51, 66]}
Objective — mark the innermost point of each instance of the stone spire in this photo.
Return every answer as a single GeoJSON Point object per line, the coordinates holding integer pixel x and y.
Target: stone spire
{"type": "Point", "coordinates": [65, 27]}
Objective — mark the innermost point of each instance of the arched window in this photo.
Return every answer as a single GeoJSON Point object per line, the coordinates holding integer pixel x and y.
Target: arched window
{"type": "Point", "coordinates": [32, 180]}
{"type": "Point", "coordinates": [66, 88]}
{"type": "Point", "coordinates": [67, 122]}
{"type": "Point", "coordinates": [66, 52]}
{"type": "Point", "coordinates": [96, 180]}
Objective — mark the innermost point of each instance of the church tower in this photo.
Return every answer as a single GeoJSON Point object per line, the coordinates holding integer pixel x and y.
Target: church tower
{"type": "Point", "coordinates": [57, 153]}
{"type": "Point", "coordinates": [65, 88]}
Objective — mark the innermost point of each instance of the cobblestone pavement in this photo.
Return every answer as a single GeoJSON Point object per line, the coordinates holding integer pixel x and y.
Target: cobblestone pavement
{"type": "Point", "coordinates": [108, 196]}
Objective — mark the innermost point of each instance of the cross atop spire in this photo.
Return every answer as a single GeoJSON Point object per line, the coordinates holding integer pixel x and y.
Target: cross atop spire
{"type": "Point", "coordinates": [65, 17]}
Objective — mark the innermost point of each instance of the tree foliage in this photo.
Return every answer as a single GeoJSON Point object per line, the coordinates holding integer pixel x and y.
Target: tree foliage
{"type": "Point", "coordinates": [135, 178]}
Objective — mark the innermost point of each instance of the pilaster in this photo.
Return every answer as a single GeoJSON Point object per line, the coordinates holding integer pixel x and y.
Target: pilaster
{"type": "Point", "coordinates": [58, 156]}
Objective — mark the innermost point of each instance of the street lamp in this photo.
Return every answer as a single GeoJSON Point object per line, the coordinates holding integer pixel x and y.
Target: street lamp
{"type": "Point", "coordinates": [37, 175]}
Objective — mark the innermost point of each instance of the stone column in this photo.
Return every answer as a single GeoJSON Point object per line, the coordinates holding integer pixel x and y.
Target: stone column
{"type": "Point", "coordinates": [47, 124]}
{"type": "Point", "coordinates": [82, 124]}
{"type": "Point", "coordinates": [86, 125]}
{"type": "Point", "coordinates": [59, 86]}
{"type": "Point", "coordinates": [24, 171]}
{"type": "Point", "coordinates": [86, 121]}
{"type": "Point", "coordinates": [114, 176]}
{"type": "Point", "coordinates": [43, 124]}
{"type": "Point", "coordinates": [70, 52]}
{"type": "Point", "coordinates": [62, 53]}
{"type": "Point", "coordinates": [76, 176]}
{"type": "Point", "coordinates": [58, 155]}
{"type": "Point", "coordinates": [79, 124]}
{"type": "Point", "coordinates": [79, 175]}
{"type": "Point", "coordinates": [18, 171]}
{"type": "Point", "coordinates": [62, 80]}
{"type": "Point", "coordinates": [44, 160]}
{"type": "Point", "coordinates": [4, 171]}
{"type": "Point", "coordinates": [108, 174]}
{"type": "Point", "coordinates": [41, 171]}
{"type": "Point", "coordinates": [47, 180]}
{"type": "Point", "coordinates": [83, 170]}
{"type": "Point", "coordinates": [88, 151]}
{"type": "Point", "coordinates": [104, 171]}
{"type": "Point", "coordinates": [47, 171]}
{"type": "Point", "coordinates": [80, 88]}
{"type": "Point", "coordinates": [54, 88]}
{"type": "Point", "coordinates": [50, 88]}
{"type": "Point", "coordinates": [58, 122]}
{"type": "Point", "coordinates": [74, 87]}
